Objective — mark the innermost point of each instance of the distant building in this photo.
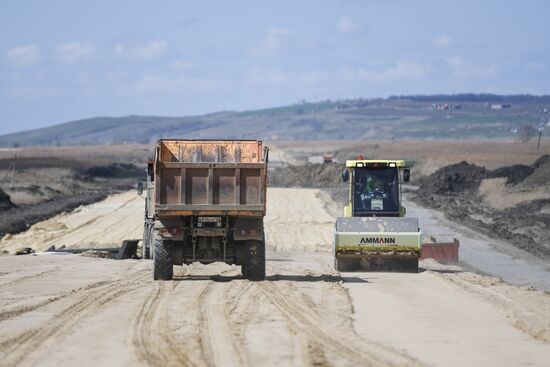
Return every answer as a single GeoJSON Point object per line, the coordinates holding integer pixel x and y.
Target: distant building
{"type": "Point", "coordinates": [446, 106]}
{"type": "Point", "coordinates": [500, 106]}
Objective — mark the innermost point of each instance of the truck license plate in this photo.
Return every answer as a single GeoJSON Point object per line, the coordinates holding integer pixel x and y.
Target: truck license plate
{"type": "Point", "coordinates": [209, 219]}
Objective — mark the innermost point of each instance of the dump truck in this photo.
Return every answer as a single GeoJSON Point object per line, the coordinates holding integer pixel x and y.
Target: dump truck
{"type": "Point", "coordinates": [205, 202]}
{"type": "Point", "coordinates": [374, 233]}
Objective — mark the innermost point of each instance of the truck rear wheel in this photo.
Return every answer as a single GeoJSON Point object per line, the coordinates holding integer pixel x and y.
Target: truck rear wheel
{"type": "Point", "coordinates": [162, 260]}
{"type": "Point", "coordinates": [254, 262]}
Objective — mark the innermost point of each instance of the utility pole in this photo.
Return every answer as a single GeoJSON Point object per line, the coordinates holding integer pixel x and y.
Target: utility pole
{"type": "Point", "coordinates": [540, 135]}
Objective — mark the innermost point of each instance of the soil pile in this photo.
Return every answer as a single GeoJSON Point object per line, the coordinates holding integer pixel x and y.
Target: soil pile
{"type": "Point", "coordinates": [115, 170]}
{"type": "Point", "coordinates": [5, 201]}
{"type": "Point", "coordinates": [540, 175]}
{"type": "Point", "coordinates": [514, 174]}
{"type": "Point", "coordinates": [327, 175]}
{"type": "Point", "coordinates": [466, 177]}
{"type": "Point", "coordinates": [454, 190]}
{"type": "Point", "coordinates": [456, 178]}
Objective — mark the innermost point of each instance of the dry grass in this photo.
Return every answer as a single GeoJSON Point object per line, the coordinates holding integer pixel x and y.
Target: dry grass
{"type": "Point", "coordinates": [428, 155]}
{"type": "Point", "coordinates": [130, 153]}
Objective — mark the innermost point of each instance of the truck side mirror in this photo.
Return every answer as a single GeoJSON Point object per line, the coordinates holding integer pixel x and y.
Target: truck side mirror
{"type": "Point", "coordinates": [140, 188]}
{"type": "Point", "coordinates": [345, 175]}
{"type": "Point", "coordinates": [406, 174]}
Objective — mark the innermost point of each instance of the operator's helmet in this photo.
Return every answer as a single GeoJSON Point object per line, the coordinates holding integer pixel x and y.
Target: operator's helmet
{"type": "Point", "coordinates": [369, 179]}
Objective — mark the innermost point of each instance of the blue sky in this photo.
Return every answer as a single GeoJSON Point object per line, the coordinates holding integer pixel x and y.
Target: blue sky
{"type": "Point", "coordinates": [67, 60]}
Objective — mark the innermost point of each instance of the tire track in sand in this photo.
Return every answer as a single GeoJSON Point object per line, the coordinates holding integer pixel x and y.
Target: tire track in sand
{"type": "Point", "coordinates": [348, 345]}
{"type": "Point", "coordinates": [219, 342]}
{"type": "Point", "coordinates": [29, 343]}
{"type": "Point", "coordinates": [152, 338]}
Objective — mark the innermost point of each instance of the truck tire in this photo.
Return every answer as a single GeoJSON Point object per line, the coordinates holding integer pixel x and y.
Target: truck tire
{"type": "Point", "coordinates": [162, 260]}
{"type": "Point", "coordinates": [146, 243]}
{"type": "Point", "coordinates": [254, 262]}
{"type": "Point", "coordinates": [243, 269]}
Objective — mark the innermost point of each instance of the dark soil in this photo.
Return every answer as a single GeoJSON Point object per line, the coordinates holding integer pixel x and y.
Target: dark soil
{"type": "Point", "coordinates": [515, 174]}
{"type": "Point", "coordinates": [466, 177]}
{"type": "Point", "coordinates": [454, 190]}
{"type": "Point", "coordinates": [115, 170]}
{"type": "Point", "coordinates": [540, 175]}
{"type": "Point", "coordinates": [456, 178]}
{"type": "Point", "coordinates": [5, 201]}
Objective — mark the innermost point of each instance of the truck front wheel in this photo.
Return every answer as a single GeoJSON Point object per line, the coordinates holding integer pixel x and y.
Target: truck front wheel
{"type": "Point", "coordinates": [254, 262]}
{"type": "Point", "coordinates": [162, 260]}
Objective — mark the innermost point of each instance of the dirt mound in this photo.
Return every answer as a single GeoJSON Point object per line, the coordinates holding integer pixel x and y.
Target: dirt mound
{"type": "Point", "coordinates": [114, 170]}
{"type": "Point", "coordinates": [542, 161]}
{"type": "Point", "coordinates": [540, 175]}
{"type": "Point", "coordinates": [456, 178]}
{"type": "Point", "coordinates": [454, 190]}
{"type": "Point", "coordinates": [310, 175]}
{"type": "Point", "coordinates": [514, 174]}
{"type": "Point", "coordinates": [5, 201]}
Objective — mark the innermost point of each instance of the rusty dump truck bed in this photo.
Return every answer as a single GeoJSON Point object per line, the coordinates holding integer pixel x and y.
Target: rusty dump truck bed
{"type": "Point", "coordinates": [210, 177]}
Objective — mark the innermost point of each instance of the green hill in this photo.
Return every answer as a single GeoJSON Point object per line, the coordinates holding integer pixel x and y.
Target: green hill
{"type": "Point", "coordinates": [440, 116]}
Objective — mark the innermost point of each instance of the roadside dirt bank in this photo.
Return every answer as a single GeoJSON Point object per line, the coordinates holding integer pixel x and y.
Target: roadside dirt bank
{"type": "Point", "coordinates": [511, 203]}
{"type": "Point", "coordinates": [103, 224]}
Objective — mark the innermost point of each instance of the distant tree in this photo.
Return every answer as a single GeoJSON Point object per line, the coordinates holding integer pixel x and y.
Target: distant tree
{"type": "Point", "coordinates": [526, 132]}
{"type": "Point", "coordinates": [16, 144]}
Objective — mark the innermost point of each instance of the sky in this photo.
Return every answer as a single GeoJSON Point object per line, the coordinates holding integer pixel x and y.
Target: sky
{"type": "Point", "coordinates": [69, 60]}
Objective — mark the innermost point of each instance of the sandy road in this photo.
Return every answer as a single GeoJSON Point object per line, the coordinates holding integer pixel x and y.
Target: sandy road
{"type": "Point", "coordinates": [73, 310]}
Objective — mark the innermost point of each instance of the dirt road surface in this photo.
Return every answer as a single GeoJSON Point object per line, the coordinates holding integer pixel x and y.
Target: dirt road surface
{"type": "Point", "coordinates": [60, 309]}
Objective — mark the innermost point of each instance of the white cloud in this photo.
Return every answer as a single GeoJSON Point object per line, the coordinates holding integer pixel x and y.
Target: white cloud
{"type": "Point", "coordinates": [315, 78]}
{"type": "Point", "coordinates": [22, 56]}
{"type": "Point", "coordinates": [276, 77]}
{"type": "Point", "coordinates": [158, 84]}
{"type": "Point", "coordinates": [150, 51]}
{"type": "Point", "coordinates": [181, 65]}
{"type": "Point", "coordinates": [69, 53]}
{"type": "Point", "coordinates": [462, 69]}
{"type": "Point", "coordinates": [347, 25]}
{"type": "Point", "coordinates": [443, 40]}
{"type": "Point", "coordinates": [272, 42]}
{"type": "Point", "coordinates": [402, 70]}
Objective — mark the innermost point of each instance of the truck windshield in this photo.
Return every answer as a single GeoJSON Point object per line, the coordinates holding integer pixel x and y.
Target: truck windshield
{"type": "Point", "coordinates": [376, 190]}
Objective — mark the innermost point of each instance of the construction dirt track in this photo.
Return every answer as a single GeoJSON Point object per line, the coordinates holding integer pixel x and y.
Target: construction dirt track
{"type": "Point", "coordinates": [61, 309]}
